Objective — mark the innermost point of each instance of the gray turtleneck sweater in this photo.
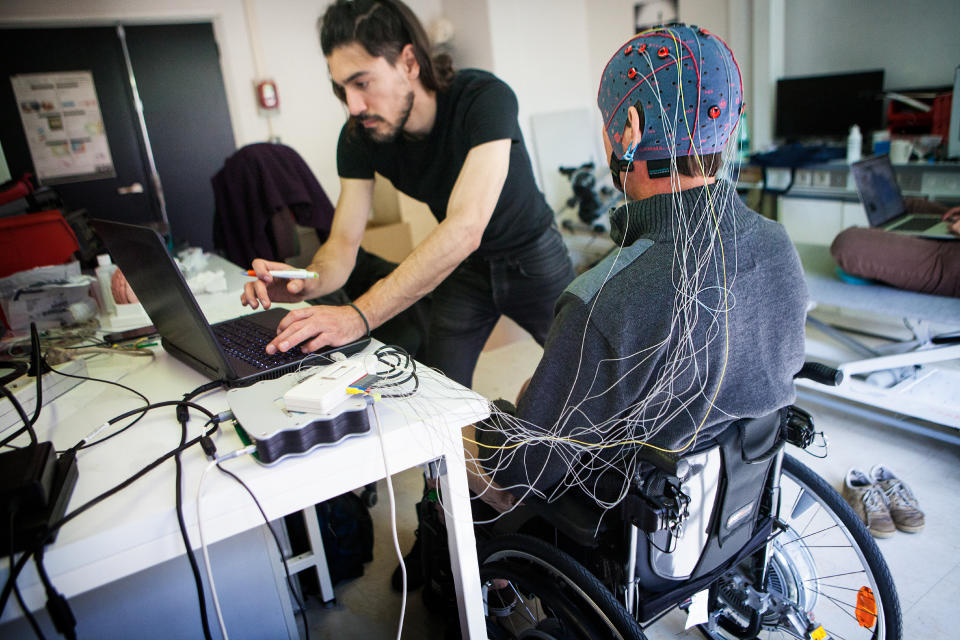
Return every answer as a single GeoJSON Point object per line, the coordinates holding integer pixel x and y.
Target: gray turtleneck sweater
{"type": "Point", "coordinates": [677, 334]}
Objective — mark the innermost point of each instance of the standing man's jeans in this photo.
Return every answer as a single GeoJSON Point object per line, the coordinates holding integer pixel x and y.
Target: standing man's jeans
{"type": "Point", "coordinates": [524, 286]}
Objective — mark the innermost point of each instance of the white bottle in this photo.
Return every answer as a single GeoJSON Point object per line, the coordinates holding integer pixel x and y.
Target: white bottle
{"type": "Point", "coordinates": [104, 273]}
{"type": "Point", "coordinates": [854, 144]}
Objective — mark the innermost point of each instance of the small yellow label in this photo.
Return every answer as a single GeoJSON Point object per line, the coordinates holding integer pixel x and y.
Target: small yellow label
{"type": "Point", "coordinates": [818, 634]}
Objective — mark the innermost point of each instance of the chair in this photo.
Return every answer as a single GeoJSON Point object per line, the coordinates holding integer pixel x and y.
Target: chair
{"type": "Point", "coordinates": [262, 192]}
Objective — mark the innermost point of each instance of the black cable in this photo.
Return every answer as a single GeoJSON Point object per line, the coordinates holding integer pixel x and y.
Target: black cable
{"type": "Point", "coordinates": [27, 613]}
{"type": "Point", "coordinates": [16, 590]}
{"type": "Point", "coordinates": [183, 417]}
{"type": "Point", "coordinates": [286, 569]}
{"type": "Point", "coordinates": [18, 567]}
{"type": "Point", "coordinates": [126, 483]}
{"type": "Point", "coordinates": [15, 570]}
{"type": "Point", "coordinates": [116, 384]}
{"type": "Point", "coordinates": [36, 365]}
{"type": "Point", "coordinates": [27, 425]}
{"type": "Point", "coordinates": [57, 606]}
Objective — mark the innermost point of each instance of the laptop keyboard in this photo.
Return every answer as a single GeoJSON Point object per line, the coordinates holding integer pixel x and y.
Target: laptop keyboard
{"type": "Point", "coordinates": [915, 224]}
{"type": "Point", "coordinates": [247, 340]}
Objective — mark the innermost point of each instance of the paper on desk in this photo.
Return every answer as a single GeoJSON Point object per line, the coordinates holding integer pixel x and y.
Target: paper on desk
{"type": "Point", "coordinates": [698, 613]}
{"type": "Point", "coordinates": [50, 296]}
{"type": "Point", "coordinates": [59, 275]}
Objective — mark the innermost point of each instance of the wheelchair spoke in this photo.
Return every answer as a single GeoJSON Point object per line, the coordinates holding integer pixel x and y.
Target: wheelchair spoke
{"type": "Point", "coordinates": [836, 575]}
{"type": "Point", "coordinates": [804, 537]}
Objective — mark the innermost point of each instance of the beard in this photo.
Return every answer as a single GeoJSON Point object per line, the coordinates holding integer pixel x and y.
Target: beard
{"type": "Point", "coordinates": [392, 130]}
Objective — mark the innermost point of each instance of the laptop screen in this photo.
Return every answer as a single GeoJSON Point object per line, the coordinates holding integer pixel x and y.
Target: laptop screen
{"type": "Point", "coordinates": [878, 189]}
{"type": "Point", "coordinates": [158, 283]}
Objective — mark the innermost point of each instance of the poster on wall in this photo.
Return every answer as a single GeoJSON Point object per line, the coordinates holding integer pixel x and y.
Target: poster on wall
{"type": "Point", "coordinates": [63, 126]}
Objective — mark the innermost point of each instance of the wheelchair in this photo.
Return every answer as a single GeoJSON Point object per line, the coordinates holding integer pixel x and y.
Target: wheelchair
{"type": "Point", "coordinates": [736, 529]}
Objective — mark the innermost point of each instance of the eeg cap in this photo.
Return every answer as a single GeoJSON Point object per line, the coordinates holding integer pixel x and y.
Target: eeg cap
{"type": "Point", "coordinates": [686, 85]}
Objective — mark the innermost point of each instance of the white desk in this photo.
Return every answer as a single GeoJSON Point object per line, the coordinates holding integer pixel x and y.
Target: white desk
{"type": "Point", "coordinates": [137, 529]}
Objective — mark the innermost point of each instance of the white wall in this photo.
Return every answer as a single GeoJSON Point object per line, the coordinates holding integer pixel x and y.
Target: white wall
{"type": "Point", "coordinates": [540, 50]}
{"type": "Point", "coordinates": [917, 42]}
{"type": "Point", "coordinates": [471, 40]}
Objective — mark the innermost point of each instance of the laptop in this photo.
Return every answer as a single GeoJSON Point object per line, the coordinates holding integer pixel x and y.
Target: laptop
{"type": "Point", "coordinates": [883, 202]}
{"type": "Point", "coordinates": [233, 350]}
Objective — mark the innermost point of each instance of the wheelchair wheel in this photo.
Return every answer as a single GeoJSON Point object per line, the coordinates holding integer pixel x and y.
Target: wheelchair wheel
{"type": "Point", "coordinates": [533, 590]}
{"type": "Point", "coordinates": [825, 572]}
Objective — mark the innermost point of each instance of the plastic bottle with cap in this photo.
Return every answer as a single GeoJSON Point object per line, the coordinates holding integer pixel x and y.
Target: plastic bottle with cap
{"type": "Point", "coordinates": [854, 144]}
{"type": "Point", "coordinates": [104, 273]}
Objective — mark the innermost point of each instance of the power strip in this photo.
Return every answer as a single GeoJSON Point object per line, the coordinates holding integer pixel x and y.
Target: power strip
{"type": "Point", "coordinates": [24, 389]}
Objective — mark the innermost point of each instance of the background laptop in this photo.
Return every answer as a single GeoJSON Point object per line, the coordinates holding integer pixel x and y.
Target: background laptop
{"type": "Point", "coordinates": [232, 350]}
{"type": "Point", "coordinates": [881, 197]}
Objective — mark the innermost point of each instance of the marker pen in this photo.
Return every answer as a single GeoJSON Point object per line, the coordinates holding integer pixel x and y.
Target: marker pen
{"type": "Point", "coordinates": [289, 274]}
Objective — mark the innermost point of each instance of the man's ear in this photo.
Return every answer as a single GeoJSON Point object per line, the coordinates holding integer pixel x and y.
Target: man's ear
{"type": "Point", "coordinates": [633, 123]}
{"type": "Point", "coordinates": [408, 60]}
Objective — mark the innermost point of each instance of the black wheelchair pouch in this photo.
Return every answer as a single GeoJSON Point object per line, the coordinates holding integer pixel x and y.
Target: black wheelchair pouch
{"type": "Point", "coordinates": [748, 449]}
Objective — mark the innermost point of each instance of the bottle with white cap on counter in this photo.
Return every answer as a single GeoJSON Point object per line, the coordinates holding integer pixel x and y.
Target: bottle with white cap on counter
{"type": "Point", "coordinates": [854, 144]}
{"type": "Point", "coordinates": [104, 273]}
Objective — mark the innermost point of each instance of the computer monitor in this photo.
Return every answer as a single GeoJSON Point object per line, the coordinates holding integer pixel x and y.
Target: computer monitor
{"type": "Point", "coordinates": [953, 134]}
{"type": "Point", "coordinates": [818, 107]}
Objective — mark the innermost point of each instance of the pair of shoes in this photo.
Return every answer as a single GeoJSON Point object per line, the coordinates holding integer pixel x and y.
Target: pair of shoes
{"type": "Point", "coordinates": [882, 501]}
{"type": "Point", "coordinates": [868, 502]}
{"type": "Point", "coordinates": [904, 506]}
{"type": "Point", "coordinates": [414, 567]}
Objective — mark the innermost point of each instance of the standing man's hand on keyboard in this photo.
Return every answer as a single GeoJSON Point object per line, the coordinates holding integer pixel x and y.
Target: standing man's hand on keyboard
{"type": "Point", "coordinates": [332, 326]}
{"type": "Point", "coordinates": [265, 289]}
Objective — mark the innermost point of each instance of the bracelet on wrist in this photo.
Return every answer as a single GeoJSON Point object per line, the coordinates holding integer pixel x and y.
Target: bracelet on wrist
{"type": "Point", "coordinates": [362, 317]}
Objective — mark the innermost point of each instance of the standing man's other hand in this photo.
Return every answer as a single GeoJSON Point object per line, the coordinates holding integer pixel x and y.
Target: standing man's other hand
{"type": "Point", "coordinates": [265, 289]}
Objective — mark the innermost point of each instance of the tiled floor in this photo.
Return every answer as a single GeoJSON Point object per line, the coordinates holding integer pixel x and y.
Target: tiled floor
{"type": "Point", "coordinates": [925, 566]}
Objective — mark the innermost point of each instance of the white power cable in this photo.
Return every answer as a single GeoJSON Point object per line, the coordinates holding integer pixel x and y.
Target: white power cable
{"type": "Point", "coordinates": [203, 543]}
{"type": "Point", "coordinates": [206, 555]}
{"type": "Point", "coordinates": [393, 516]}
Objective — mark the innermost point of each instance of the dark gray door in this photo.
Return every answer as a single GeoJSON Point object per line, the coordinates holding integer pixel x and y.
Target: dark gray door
{"type": "Point", "coordinates": [185, 107]}
{"type": "Point", "coordinates": [178, 77]}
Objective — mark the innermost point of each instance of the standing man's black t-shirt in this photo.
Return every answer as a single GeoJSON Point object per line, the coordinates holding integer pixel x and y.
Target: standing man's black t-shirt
{"type": "Point", "coordinates": [476, 108]}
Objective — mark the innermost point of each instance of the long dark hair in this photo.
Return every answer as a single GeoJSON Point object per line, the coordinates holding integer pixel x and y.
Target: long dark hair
{"type": "Point", "coordinates": [383, 28]}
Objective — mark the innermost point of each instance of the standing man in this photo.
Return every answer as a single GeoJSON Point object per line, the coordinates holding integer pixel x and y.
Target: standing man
{"type": "Point", "coordinates": [453, 141]}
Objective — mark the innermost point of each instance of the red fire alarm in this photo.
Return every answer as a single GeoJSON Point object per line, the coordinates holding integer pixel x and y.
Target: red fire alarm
{"type": "Point", "coordinates": [267, 95]}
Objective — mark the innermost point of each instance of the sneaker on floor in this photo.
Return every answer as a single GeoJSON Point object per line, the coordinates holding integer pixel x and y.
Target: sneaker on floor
{"type": "Point", "coordinates": [868, 502]}
{"type": "Point", "coordinates": [414, 568]}
{"type": "Point", "coordinates": [903, 505]}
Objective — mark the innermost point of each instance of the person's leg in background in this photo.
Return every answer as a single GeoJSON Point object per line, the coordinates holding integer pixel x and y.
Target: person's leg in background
{"type": "Point", "coordinates": [526, 285]}
{"type": "Point", "coordinates": [905, 262]}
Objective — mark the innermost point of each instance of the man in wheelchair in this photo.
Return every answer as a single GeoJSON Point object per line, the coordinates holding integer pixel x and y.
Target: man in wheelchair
{"type": "Point", "coordinates": [646, 451]}
{"type": "Point", "coordinates": [693, 322]}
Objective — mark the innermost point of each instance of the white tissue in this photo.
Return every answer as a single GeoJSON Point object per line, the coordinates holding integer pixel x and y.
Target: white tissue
{"type": "Point", "coordinates": [207, 282]}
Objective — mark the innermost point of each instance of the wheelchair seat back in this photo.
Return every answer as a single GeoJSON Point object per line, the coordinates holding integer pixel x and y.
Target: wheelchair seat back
{"type": "Point", "coordinates": [726, 482]}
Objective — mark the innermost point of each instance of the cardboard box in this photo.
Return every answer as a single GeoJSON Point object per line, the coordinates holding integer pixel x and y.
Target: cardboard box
{"type": "Point", "coordinates": [386, 205]}
{"type": "Point", "coordinates": [397, 222]}
{"type": "Point", "coordinates": [392, 242]}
